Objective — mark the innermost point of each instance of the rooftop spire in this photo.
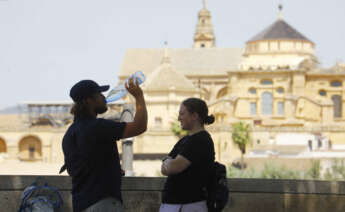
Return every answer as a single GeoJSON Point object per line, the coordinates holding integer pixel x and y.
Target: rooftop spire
{"type": "Point", "coordinates": [280, 7]}
{"type": "Point", "coordinates": [166, 58]}
{"type": "Point", "coordinates": [204, 36]}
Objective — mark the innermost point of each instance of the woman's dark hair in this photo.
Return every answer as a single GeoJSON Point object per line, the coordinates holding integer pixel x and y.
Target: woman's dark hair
{"type": "Point", "coordinates": [80, 109]}
{"type": "Point", "coordinates": [196, 105]}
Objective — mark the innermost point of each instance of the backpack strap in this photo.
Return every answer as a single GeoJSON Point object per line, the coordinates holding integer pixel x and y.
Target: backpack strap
{"type": "Point", "coordinates": [59, 201]}
{"type": "Point", "coordinates": [24, 197]}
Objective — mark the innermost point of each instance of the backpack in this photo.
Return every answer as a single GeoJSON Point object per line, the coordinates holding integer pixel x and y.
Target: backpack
{"type": "Point", "coordinates": [40, 198]}
{"type": "Point", "coordinates": [217, 189]}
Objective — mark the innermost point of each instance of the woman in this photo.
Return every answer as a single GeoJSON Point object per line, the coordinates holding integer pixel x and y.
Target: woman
{"type": "Point", "coordinates": [188, 165]}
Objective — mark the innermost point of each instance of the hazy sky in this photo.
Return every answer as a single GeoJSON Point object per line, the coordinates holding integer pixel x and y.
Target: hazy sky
{"type": "Point", "coordinates": [48, 45]}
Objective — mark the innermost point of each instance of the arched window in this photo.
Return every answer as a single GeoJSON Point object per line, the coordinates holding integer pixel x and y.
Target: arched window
{"type": "Point", "coordinates": [267, 103]}
{"type": "Point", "coordinates": [336, 84]}
{"type": "Point", "coordinates": [222, 92]}
{"type": "Point", "coordinates": [337, 106]}
{"type": "Point", "coordinates": [266, 82]}
{"type": "Point", "coordinates": [30, 148]}
{"type": "Point", "coordinates": [3, 147]}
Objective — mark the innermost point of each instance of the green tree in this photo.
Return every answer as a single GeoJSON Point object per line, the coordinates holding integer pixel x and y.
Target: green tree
{"type": "Point", "coordinates": [315, 171]}
{"type": "Point", "coordinates": [177, 130]}
{"type": "Point", "coordinates": [241, 138]}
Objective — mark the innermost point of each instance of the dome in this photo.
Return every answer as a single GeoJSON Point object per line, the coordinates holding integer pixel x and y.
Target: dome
{"type": "Point", "coordinates": [279, 30]}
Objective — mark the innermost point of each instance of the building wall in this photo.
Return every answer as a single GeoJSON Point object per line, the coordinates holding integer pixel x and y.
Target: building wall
{"type": "Point", "coordinates": [300, 97]}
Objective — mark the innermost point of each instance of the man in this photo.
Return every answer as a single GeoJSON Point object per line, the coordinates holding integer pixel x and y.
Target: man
{"type": "Point", "coordinates": [91, 155]}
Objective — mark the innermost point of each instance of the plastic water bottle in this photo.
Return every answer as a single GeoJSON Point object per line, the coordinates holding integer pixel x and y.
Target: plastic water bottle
{"type": "Point", "coordinates": [120, 91]}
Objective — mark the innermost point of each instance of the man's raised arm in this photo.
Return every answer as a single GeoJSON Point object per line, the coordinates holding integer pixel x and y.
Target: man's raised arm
{"type": "Point", "coordinates": [139, 124]}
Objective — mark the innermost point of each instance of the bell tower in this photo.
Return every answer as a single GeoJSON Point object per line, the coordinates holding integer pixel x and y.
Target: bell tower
{"type": "Point", "coordinates": [204, 36]}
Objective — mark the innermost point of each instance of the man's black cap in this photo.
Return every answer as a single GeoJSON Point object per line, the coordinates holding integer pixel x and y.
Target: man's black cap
{"type": "Point", "coordinates": [84, 89]}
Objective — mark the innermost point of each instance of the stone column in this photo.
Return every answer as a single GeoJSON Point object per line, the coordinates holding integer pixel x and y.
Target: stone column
{"type": "Point", "coordinates": [327, 112]}
{"type": "Point", "coordinates": [298, 86]}
{"type": "Point", "coordinates": [127, 143]}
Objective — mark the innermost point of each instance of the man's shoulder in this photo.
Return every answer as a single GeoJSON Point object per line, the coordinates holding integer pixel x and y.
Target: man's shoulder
{"type": "Point", "coordinates": [70, 129]}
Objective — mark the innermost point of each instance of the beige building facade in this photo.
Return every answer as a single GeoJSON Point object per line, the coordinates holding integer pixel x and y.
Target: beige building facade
{"type": "Point", "coordinates": [274, 84]}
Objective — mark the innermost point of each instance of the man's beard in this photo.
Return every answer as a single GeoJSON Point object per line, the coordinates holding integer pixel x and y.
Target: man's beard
{"type": "Point", "coordinates": [101, 109]}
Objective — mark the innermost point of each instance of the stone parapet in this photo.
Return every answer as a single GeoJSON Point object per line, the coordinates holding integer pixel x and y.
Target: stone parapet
{"type": "Point", "coordinates": [143, 194]}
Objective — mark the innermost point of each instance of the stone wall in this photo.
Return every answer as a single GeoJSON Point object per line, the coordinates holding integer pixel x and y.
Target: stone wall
{"type": "Point", "coordinates": [143, 194]}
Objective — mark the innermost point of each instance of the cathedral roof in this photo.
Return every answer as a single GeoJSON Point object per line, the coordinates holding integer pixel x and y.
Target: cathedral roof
{"type": "Point", "coordinates": [279, 30]}
{"type": "Point", "coordinates": [187, 61]}
{"type": "Point", "coordinates": [165, 77]}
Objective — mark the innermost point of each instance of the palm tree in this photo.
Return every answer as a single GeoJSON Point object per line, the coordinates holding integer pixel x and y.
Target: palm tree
{"type": "Point", "coordinates": [241, 138]}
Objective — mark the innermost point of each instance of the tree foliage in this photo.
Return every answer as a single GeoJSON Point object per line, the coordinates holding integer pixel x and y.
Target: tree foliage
{"type": "Point", "coordinates": [270, 171]}
{"type": "Point", "coordinates": [241, 138]}
{"type": "Point", "coordinates": [315, 171]}
{"type": "Point", "coordinates": [177, 130]}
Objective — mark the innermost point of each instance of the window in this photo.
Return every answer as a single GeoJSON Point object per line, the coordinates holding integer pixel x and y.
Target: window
{"type": "Point", "coordinates": [2, 146]}
{"type": "Point", "coordinates": [220, 117]}
{"type": "Point", "coordinates": [280, 108]}
{"type": "Point", "coordinates": [256, 47]}
{"type": "Point", "coordinates": [30, 148]}
{"type": "Point", "coordinates": [253, 108]}
{"type": "Point", "coordinates": [252, 90]}
{"type": "Point", "coordinates": [267, 103]}
{"type": "Point", "coordinates": [280, 90]}
{"type": "Point", "coordinates": [266, 82]}
{"type": "Point", "coordinates": [222, 92]}
{"type": "Point", "coordinates": [158, 121]}
{"type": "Point", "coordinates": [202, 45]}
{"type": "Point", "coordinates": [336, 84]}
{"type": "Point", "coordinates": [337, 106]}
{"type": "Point", "coordinates": [31, 152]}
{"type": "Point", "coordinates": [322, 92]}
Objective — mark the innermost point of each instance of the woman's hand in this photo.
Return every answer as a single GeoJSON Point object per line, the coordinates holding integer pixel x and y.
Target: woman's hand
{"type": "Point", "coordinates": [174, 166]}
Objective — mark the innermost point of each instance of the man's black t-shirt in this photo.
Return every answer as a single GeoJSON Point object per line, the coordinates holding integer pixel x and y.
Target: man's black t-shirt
{"type": "Point", "coordinates": [189, 185]}
{"type": "Point", "coordinates": [92, 160]}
